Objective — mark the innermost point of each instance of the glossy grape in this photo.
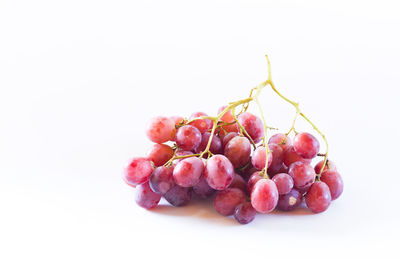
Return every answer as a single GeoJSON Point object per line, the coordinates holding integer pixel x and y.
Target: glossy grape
{"type": "Point", "coordinates": [306, 145]}
{"type": "Point", "coordinates": [215, 147]}
{"type": "Point", "coordinates": [228, 118]}
{"type": "Point", "coordinates": [254, 178]}
{"type": "Point", "coordinates": [160, 154]}
{"type": "Point", "coordinates": [145, 197]}
{"type": "Point", "coordinates": [284, 183]}
{"type": "Point", "coordinates": [290, 201]}
{"type": "Point", "coordinates": [160, 129]}
{"type": "Point", "coordinates": [228, 137]}
{"type": "Point", "coordinates": [180, 153]}
{"type": "Point", "coordinates": [253, 125]}
{"type": "Point", "coordinates": [280, 140]}
{"type": "Point", "coordinates": [188, 137]}
{"type": "Point", "coordinates": [219, 172]}
{"type": "Point", "coordinates": [239, 182]}
{"type": "Point", "coordinates": [201, 124]}
{"type": "Point", "coordinates": [138, 171]}
{"type": "Point", "coordinates": [264, 196]}
{"type": "Point", "coordinates": [334, 181]}
{"type": "Point", "coordinates": [161, 180]}
{"type": "Point", "coordinates": [259, 157]}
{"type": "Point", "coordinates": [226, 201]}
{"type": "Point", "coordinates": [188, 171]}
{"type": "Point", "coordinates": [329, 166]}
{"type": "Point", "coordinates": [303, 175]}
{"type": "Point", "coordinates": [178, 196]}
{"type": "Point", "coordinates": [238, 151]}
{"type": "Point", "coordinates": [245, 213]}
{"type": "Point", "coordinates": [202, 189]}
{"type": "Point", "coordinates": [318, 197]}
{"type": "Point", "coordinates": [277, 157]}
{"type": "Point", "coordinates": [290, 157]}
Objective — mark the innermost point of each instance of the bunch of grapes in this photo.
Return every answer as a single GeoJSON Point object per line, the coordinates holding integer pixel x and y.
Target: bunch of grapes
{"type": "Point", "coordinates": [229, 158]}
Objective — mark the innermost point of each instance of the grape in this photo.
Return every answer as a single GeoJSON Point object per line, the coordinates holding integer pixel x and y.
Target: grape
{"type": "Point", "coordinates": [306, 145]}
{"type": "Point", "coordinates": [161, 180]}
{"type": "Point", "coordinates": [188, 137]}
{"type": "Point", "coordinates": [228, 137]}
{"type": "Point", "coordinates": [180, 153]}
{"type": "Point", "coordinates": [284, 183]}
{"type": "Point", "coordinates": [318, 197]}
{"type": "Point", "coordinates": [290, 201]}
{"type": "Point", "coordinates": [160, 129]}
{"type": "Point", "coordinates": [219, 172]}
{"type": "Point", "coordinates": [329, 166]}
{"type": "Point", "coordinates": [178, 196]}
{"type": "Point", "coordinates": [245, 213]}
{"type": "Point", "coordinates": [238, 151]}
{"type": "Point", "coordinates": [188, 171]}
{"type": "Point", "coordinates": [274, 171]}
{"type": "Point", "coordinates": [260, 156]}
{"type": "Point", "coordinates": [226, 201]}
{"type": "Point", "coordinates": [334, 181]}
{"type": "Point", "coordinates": [160, 154]}
{"type": "Point", "coordinates": [253, 125]}
{"type": "Point", "coordinates": [215, 147]}
{"type": "Point", "coordinates": [228, 118]}
{"type": "Point", "coordinates": [138, 171]}
{"type": "Point", "coordinates": [264, 196]}
{"type": "Point", "coordinates": [239, 182]}
{"type": "Point", "coordinates": [277, 157]}
{"type": "Point", "coordinates": [202, 189]}
{"type": "Point", "coordinates": [254, 178]}
{"type": "Point", "coordinates": [280, 140]}
{"type": "Point", "coordinates": [200, 124]}
{"type": "Point", "coordinates": [145, 197]}
{"type": "Point", "coordinates": [290, 156]}
{"type": "Point", "coordinates": [303, 175]}
{"type": "Point", "coordinates": [177, 120]}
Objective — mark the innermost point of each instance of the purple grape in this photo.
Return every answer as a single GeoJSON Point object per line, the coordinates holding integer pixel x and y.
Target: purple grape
{"type": "Point", "coordinates": [162, 180]}
{"type": "Point", "coordinates": [202, 189]}
{"type": "Point", "coordinates": [178, 196]}
{"type": "Point", "coordinates": [145, 197]}
{"type": "Point", "coordinates": [245, 213]}
{"type": "Point", "coordinates": [226, 201]}
{"type": "Point", "coordinates": [290, 201]}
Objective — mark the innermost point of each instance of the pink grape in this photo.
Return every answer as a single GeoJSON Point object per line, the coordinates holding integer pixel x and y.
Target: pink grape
{"type": "Point", "coordinates": [318, 197]}
{"type": "Point", "coordinates": [284, 183]}
{"type": "Point", "coordinates": [277, 157]}
{"type": "Point", "coordinates": [306, 145]}
{"type": "Point", "coordinates": [177, 120]}
{"type": "Point", "coordinates": [201, 124]}
{"type": "Point", "coordinates": [238, 151]}
{"type": "Point", "coordinates": [160, 129]}
{"type": "Point", "coordinates": [219, 172]}
{"type": "Point", "coordinates": [178, 196]}
{"type": "Point", "coordinates": [145, 197]}
{"type": "Point", "coordinates": [253, 125]}
{"type": "Point", "coordinates": [334, 181]}
{"type": "Point", "coordinates": [202, 189]}
{"type": "Point", "coordinates": [228, 118]}
{"type": "Point", "coordinates": [290, 157]}
{"type": "Point", "coordinates": [245, 213]}
{"type": "Point", "coordinates": [161, 180]}
{"type": "Point", "coordinates": [188, 137]}
{"type": "Point", "coordinates": [264, 196]}
{"type": "Point", "coordinates": [254, 178]}
{"type": "Point", "coordinates": [290, 201]}
{"type": "Point", "coordinates": [280, 140]}
{"type": "Point", "coordinates": [180, 153]}
{"type": "Point", "coordinates": [259, 157]}
{"type": "Point", "coordinates": [216, 145]}
{"type": "Point", "coordinates": [188, 171]}
{"type": "Point", "coordinates": [303, 175]}
{"type": "Point", "coordinates": [329, 166]}
{"type": "Point", "coordinates": [226, 201]}
{"type": "Point", "coordinates": [138, 171]}
{"type": "Point", "coordinates": [160, 154]}
{"type": "Point", "coordinates": [228, 137]}
{"type": "Point", "coordinates": [239, 182]}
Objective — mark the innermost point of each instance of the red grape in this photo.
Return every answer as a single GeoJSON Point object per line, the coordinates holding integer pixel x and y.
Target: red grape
{"type": "Point", "coordinates": [188, 171]}
{"type": "Point", "coordinates": [284, 183]}
{"type": "Point", "coordinates": [160, 129]}
{"type": "Point", "coordinates": [290, 156]}
{"type": "Point", "coordinates": [228, 118]}
{"type": "Point", "coordinates": [239, 182]}
{"type": "Point", "coordinates": [334, 181]}
{"type": "Point", "coordinates": [238, 151]}
{"type": "Point", "coordinates": [178, 196]}
{"type": "Point", "coordinates": [202, 189]}
{"type": "Point", "coordinates": [161, 180]}
{"type": "Point", "coordinates": [303, 175]}
{"type": "Point", "coordinates": [264, 196]}
{"type": "Point", "coordinates": [260, 156]}
{"type": "Point", "coordinates": [277, 157]}
{"type": "Point", "coordinates": [226, 201]}
{"type": "Point", "coordinates": [254, 178]}
{"type": "Point", "coordinates": [228, 137]}
{"type": "Point", "coordinates": [280, 140]}
{"type": "Point", "coordinates": [306, 145]}
{"type": "Point", "coordinates": [145, 197]}
{"type": "Point", "coordinates": [138, 171]}
{"type": "Point", "coordinates": [180, 153]}
{"type": "Point", "coordinates": [245, 213]}
{"type": "Point", "coordinates": [329, 166]}
{"type": "Point", "coordinates": [318, 197]}
{"type": "Point", "coordinates": [177, 119]}
{"type": "Point", "coordinates": [188, 137]}
{"type": "Point", "coordinates": [253, 125]}
{"type": "Point", "coordinates": [290, 201]}
{"type": "Point", "coordinates": [219, 172]}
{"type": "Point", "coordinates": [215, 147]}
{"type": "Point", "coordinates": [201, 124]}
{"type": "Point", "coordinates": [160, 154]}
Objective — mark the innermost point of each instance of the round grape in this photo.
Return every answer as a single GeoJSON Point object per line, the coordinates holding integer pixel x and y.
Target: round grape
{"type": "Point", "coordinates": [219, 172]}
{"type": "Point", "coordinates": [138, 171]}
{"type": "Point", "coordinates": [160, 154]}
{"type": "Point", "coordinates": [202, 189]}
{"type": "Point", "coordinates": [264, 196]}
{"type": "Point", "coordinates": [306, 145]}
{"type": "Point", "coordinates": [180, 153]}
{"type": "Point", "coordinates": [329, 166]}
{"type": "Point", "coordinates": [188, 171]}
{"type": "Point", "coordinates": [277, 157]}
{"type": "Point", "coordinates": [188, 137]}
{"type": "Point", "coordinates": [303, 175]}
{"type": "Point", "coordinates": [284, 183]}
{"type": "Point", "coordinates": [178, 196]}
{"type": "Point", "coordinates": [290, 157]}
{"type": "Point", "coordinates": [254, 178]}
{"type": "Point", "coordinates": [226, 201]}
{"type": "Point", "coordinates": [281, 140]}
{"type": "Point", "coordinates": [201, 124]}
{"type": "Point", "coordinates": [238, 151]}
{"type": "Point", "coordinates": [177, 120]}
{"type": "Point", "coordinates": [145, 197]}
{"type": "Point", "coordinates": [334, 181]}
{"type": "Point", "coordinates": [160, 129]}
{"type": "Point", "coordinates": [260, 156]}
{"type": "Point", "coordinates": [318, 197]}
{"type": "Point", "coordinates": [245, 213]}
{"type": "Point", "coordinates": [228, 118]}
{"type": "Point", "coordinates": [290, 201]}
{"type": "Point", "coordinates": [161, 180]}
{"type": "Point", "coordinates": [215, 147]}
{"type": "Point", "coordinates": [239, 182]}
{"type": "Point", "coordinates": [228, 137]}
{"type": "Point", "coordinates": [253, 125]}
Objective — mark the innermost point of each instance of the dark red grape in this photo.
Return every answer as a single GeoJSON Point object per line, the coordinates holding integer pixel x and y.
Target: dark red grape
{"type": "Point", "coordinates": [188, 137]}
{"type": "Point", "coordinates": [318, 197]}
{"type": "Point", "coordinates": [254, 178]}
{"type": "Point", "coordinates": [290, 156]}
{"type": "Point", "coordinates": [178, 196]}
{"type": "Point", "coordinates": [303, 175]}
{"type": "Point", "coordinates": [264, 196]}
{"type": "Point", "coordinates": [238, 151]}
{"type": "Point", "coordinates": [188, 171]}
{"type": "Point", "coordinates": [160, 154]}
{"type": "Point", "coordinates": [228, 137]}
{"type": "Point", "coordinates": [160, 129]}
{"type": "Point", "coordinates": [245, 213]}
{"type": "Point", "coordinates": [334, 181]}
{"type": "Point", "coordinates": [202, 189]}
{"type": "Point", "coordinates": [329, 166]}
{"type": "Point", "coordinates": [260, 156]}
{"type": "Point", "coordinates": [219, 172]}
{"type": "Point", "coordinates": [138, 171]}
{"type": "Point", "coordinates": [145, 197]}
{"type": "Point", "coordinates": [306, 145]}
{"type": "Point", "coordinates": [280, 140]}
{"type": "Point", "coordinates": [226, 201]}
{"type": "Point", "coordinates": [253, 125]}
{"type": "Point", "coordinates": [239, 182]}
{"type": "Point", "coordinates": [215, 147]}
{"type": "Point", "coordinates": [284, 183]}
{"type": "Point", "coordinates": [161, 180]}
{"type": "Point", "coordinates": [290, 201]}
{"type": "Point", "coordinates": [201, 124]}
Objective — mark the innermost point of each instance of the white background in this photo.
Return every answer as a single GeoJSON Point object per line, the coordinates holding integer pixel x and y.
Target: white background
{"type": "Point", "coordinates": [80, 78]}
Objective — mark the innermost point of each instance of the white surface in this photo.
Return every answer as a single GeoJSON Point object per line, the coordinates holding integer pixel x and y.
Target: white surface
{"type": "Point", "coordinates": [79, 79]}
